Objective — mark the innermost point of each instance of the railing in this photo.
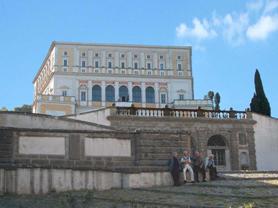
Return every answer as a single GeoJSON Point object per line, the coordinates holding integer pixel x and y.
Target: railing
{"type": "Point", "coordinates": [180, 113]}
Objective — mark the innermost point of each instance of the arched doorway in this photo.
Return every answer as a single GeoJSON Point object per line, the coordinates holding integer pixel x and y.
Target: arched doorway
{"type": "Point", "coordinates": [110, 93]}
{"type": "Point", "coordinates": [217, 146]}
{"type": "Point", "coordinates": [136, 94]}
{"type": "Point", "coordinates": [150, 95]}
{"type": "Point", "coordinates": [123, 94]}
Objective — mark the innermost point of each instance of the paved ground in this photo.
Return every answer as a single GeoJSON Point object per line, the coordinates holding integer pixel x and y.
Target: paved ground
{"type": "Point", "coordinates": [258, 189]}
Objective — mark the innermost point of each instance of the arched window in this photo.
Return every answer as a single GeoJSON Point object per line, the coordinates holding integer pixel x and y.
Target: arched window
{"type": "Point", "coordinates": [110, 93]}
{"type": "Point", "coordinates": [216, 140]}
{"type": "Point", "coordinates": [136, 94]}
{"type": "Point", "coordinates": [150, 95]}
{"type": "Point", "coordinates": [217, 146]}
{"type": "Point", "coordinates": [123, 94]}
{"type": "Point", "coordinates": [96, 93]}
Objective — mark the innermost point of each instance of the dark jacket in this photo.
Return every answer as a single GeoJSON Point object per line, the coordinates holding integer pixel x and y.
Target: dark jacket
{"type": "Point", "coordinates": [173, 164]}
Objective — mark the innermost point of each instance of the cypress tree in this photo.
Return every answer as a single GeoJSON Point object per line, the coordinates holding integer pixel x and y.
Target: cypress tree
{"type": "Point", "coordinates": [259, 102]}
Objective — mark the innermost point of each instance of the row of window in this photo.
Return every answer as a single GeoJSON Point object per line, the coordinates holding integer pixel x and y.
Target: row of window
{"type": "Point", "coordinates": [135, 65]}
{"type": "Point", "coordinates": [122, 55]}
{"type": "Point", "coordinates": [123, 94]}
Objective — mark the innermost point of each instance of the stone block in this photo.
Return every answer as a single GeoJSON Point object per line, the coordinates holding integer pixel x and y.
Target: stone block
{"type": "Point", "coordinates": [45, 180]}
{"type": "Point", "coordinates": [23, 181]}
{"type": "Point", "coordinates": [36, 180]}
{"type": "Point", "coordinates": [78, 180]}
{"type": "Point", "coordinates": [90, 183]}
{"type": "Point", "coordinates": [41, 145]}
{"type": "Point", "coordinates": [61, 180]}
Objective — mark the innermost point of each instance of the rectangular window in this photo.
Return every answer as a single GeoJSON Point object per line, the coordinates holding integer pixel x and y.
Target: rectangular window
{"type": "Point", "coordinates": [163, 98]}
{"type": "Point", "coordinates": [64, 93]}
{"type": "Point", "coordinates": [65, 62]}
{"type": "Point", "coordinates": [161, 66]}
{"type": "Point", "coordinates": [135, 65]}
{"type": "Point", "coordinates": [83, 96]}
{"type": "Point", "coordinates": [83, 64]}
{"type": "Point", "coordinates": [179, 67]}
{"type": "Point", "coordinates": [123, 65]}
{"type": "Point", "coordinates": [148, 66]}
{"type": "Point", "coordinates": [109, 64]}
{"type": "Point", "coordinates": [181, 96]}
{"type": "Point", "coordinates": [96, 64]}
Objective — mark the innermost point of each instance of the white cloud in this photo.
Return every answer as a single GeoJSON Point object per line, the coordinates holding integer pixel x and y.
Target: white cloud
{"type": "Point", "coordinates": [256, 22]}
{"type": "Point", "coordinates": [200, 30]}
{"type": "Point", "coordinates": [262, 29]}
{"type": "Point", "coordinates": [234, 27]}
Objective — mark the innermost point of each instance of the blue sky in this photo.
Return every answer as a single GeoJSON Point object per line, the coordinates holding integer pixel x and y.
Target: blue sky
{"type": "Point", "coordinates": [230, 39]}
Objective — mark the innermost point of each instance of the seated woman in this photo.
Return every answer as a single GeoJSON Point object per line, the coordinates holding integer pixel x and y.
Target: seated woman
{"type": "Point", "coordinates": [210, 165]}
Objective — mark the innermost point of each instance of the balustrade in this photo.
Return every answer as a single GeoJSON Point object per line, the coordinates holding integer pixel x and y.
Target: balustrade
{"type": "Point", "coordinates": [180, 113]}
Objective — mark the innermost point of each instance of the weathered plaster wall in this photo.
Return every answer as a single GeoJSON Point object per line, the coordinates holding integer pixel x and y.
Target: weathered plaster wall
{"type": "Point", "coordinates": [266, 142]}
{"type": "Point", "coordinates": [96, 116]}
{"type": "Point", "coordinates": [37, 121]}
{"type": "Point", "coordinates": [42, 181]}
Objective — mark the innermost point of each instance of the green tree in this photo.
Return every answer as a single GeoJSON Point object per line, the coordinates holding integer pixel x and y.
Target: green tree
{"type": "Point", "coordinates": [210, 95]}
{"type": "Point", "coordinates": [259, 102]}
{"type": "Point", "coordinates": [24, 108]}
{"type": "Point", "coordinates": [217, 101]}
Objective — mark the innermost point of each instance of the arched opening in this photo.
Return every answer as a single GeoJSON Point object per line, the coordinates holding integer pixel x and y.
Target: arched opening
{"type": "Point", "coordinates": [136, 94]}
{"type": "Point", "coordinates": [96, 93]}
{"type": "Point", "coordinates": [110, 93]}
{"type": "Point", "coordinates": [123, 94]}
{"type": "Point", "coordinates": [150, 95]}
{"type": "Point", "coordinates": [217, 146]}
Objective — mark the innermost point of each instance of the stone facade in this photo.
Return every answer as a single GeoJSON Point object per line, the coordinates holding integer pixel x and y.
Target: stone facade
{"type": "Point", "coordinates": [199, 131]}
{"type": "Point", "coordinates": [77, 77]}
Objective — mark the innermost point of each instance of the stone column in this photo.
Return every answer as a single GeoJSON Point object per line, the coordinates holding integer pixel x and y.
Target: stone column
{"type": "Point", "coordinates": [130, 91]}
{"type": "Point", "coordinates": [90, 92]}
{"type": "Point", "coordinates": [169, 95]}
{"type": "Point", "coordinates": [90, 58]}
{"type": "Point", "coordinates": [116, 91]}
{"type": "Point", "coordinates": [251, 149]}
{"type": "Point", "coordinates": [142, 60]}
{"type": "Point", "coordinates": [129, 60]}
{"type": "Point", "coordinates": [155, 61]}
{"type": "Point", "coordinates": [103, 93]}
{"type": "Point", "coordinates": [156, 94]}
{"type": "Point", "coordinates": [76, 60]}
{"type": "Point", "coordinates": [103, 58]}
{"type": "Point", "coordinates": [143, 94]}
{"type": "Point", "coordinates": [77, 90]}
{"type": "Point", "coordinates": [116, 59]}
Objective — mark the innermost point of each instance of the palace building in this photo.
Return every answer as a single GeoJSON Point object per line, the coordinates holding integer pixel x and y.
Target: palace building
{"type": "Point", "coordinates": [79, 77]}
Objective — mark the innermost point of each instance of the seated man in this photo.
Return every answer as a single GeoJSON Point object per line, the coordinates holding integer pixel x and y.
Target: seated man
{"type": "Point", "coordinates": [174, 168]}
{"type": "Point", "coordinates": [198, 166]}
{"type": "Point", "coordinates": [186, 162]}
{"type": "Point", "coordinates": [210, 165]}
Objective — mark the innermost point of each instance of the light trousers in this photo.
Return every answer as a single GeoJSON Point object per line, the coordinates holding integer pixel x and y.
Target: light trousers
{"type": "Point", "coordinates": [189, 168]}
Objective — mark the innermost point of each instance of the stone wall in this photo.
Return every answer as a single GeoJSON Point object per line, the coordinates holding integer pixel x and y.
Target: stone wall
{"type": "Point", "coordinates": [199, 131]}
{"type": "Point", "coordinates": [40, 161]}
{"type": "Point", "coordinates": [42, 181]}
